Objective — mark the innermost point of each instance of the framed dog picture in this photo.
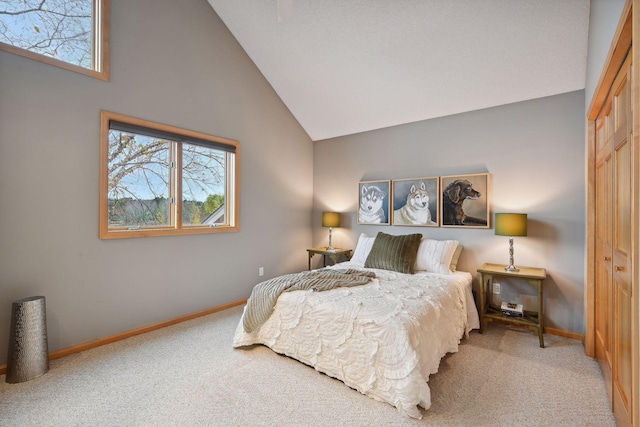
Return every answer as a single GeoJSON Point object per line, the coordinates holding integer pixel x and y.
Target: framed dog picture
{"type": "Point", "coordinates": [374, 202]}
{"type": "Point", "coordinates": [415, 202]}
{"type": "Point", "coordinates": [465, 201]}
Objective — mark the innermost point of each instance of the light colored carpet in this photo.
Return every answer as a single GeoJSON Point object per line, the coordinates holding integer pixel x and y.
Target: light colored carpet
{"type": "Point", "coordinates": [189, 375]}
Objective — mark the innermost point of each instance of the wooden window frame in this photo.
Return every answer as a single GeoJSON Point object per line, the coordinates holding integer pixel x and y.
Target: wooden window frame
{"type": "Point", "coordinates": [232, 173]}
{"type": "Point", "coordinates": [100, 57]}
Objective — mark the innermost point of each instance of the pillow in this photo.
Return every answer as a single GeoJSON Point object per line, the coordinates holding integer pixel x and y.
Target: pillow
{"type": "Point", "coordinates": [363, 247]}
{"type": "Point", "coordinates": [435, 255]}
{"type": "Point", "coordinates": [395, 253]}
{"type": "Point", "coordinates": [454, 259]}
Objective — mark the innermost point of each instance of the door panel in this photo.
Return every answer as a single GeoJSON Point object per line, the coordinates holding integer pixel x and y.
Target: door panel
{"type": "Point", "coordinates": [604, 246]}
{"type": "Point", "coordinates": [613, 204]}
{"type": "Point", "coordinates": [622, 303]}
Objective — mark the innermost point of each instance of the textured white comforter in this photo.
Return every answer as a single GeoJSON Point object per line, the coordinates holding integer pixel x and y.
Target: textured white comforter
{"type": "Point", "coordinates": [383, 339]}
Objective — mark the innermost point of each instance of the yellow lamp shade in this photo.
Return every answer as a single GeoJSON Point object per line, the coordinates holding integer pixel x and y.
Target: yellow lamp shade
{"type": "Point", "coordinates": [511, 224]}
{"type": "Point", "coordinates": [330, 219]}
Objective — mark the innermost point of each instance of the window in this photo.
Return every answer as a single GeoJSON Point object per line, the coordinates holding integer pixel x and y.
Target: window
{"type": "Point", "coordinates": [160, 180]}
{"type": "Point", "coordinates": [70, 34]}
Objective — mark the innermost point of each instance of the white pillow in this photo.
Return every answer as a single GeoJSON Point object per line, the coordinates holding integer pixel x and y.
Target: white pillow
{"type": "Point", "coordinates": [435, 255]}
{"type": "Point", "coordinates": [456, 256]}
{"type": "Point", "coordinates": [362, 250]}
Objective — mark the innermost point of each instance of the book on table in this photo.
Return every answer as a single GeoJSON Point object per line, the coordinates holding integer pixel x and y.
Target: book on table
{"type": "Point", "coordinates": [512, 309]}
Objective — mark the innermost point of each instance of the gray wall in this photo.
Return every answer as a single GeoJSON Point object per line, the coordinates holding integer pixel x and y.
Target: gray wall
{"type": "Point", "coordinates": [172, 62]}
{"type": "Point", "coordinates": [604, 16]}
{"type": "Point", "coordinates": [534, 151]}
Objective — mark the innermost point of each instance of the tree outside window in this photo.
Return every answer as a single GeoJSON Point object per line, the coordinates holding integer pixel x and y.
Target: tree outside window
{"type": "Point", "coordinates": [163, 180]}
{"type": "Point", "coordinates": [67, 33]}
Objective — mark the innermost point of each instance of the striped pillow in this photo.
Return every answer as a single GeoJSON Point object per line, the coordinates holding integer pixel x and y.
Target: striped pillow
{"type": "Point", "coordinates": [395, 253]}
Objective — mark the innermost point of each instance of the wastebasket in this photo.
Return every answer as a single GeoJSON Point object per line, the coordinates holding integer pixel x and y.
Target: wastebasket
{"type": "Point", "coordinates": [28, 356]}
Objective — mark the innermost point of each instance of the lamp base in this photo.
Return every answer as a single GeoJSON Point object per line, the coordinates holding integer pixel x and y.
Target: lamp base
{"type": "Point", "coordinates": [511, 267]}
{"type": "Point", "coordinates": [330, 248]}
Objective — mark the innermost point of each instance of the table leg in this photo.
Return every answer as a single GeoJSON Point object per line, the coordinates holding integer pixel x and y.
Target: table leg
{"type": "Point", "coordinates": [483, 281]}
{"type": "Point", "coordinates": [540, 314]}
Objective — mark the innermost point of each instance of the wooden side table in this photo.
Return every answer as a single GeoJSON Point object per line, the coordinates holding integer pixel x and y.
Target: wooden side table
{"type": "Point", "coordinates": [333, 254]}
{"type": "Point", "coordinates": [531, 319]}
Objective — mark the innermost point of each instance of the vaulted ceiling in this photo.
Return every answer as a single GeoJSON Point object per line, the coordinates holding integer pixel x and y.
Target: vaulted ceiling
{"type": "Point", "coordinates": [349, 66]}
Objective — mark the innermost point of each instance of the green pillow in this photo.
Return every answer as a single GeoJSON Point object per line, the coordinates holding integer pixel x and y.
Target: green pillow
{"type": "Point", "coordinates": [395, 253]}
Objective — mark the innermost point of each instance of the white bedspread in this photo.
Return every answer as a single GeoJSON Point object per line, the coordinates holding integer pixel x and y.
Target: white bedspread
{"type": "Point", "coordinates": [383, 339]}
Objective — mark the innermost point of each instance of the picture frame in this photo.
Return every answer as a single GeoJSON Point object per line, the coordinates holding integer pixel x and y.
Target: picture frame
{"type": "Point", "coordinates": [373, 202]}
{"type": "Point", "coordinates": [416, 202]}
{"type": "Point", "coordinates": [464, 201]}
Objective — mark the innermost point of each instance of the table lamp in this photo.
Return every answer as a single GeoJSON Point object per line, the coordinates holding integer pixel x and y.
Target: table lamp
{"type": "Point", "coordinates": [330, 219]}
{"type": "Point", "coordinates": [511, 224]}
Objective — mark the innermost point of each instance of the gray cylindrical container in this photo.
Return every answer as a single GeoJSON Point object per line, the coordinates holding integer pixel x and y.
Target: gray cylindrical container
{"type": "Point", "coordinates": [28, 355]}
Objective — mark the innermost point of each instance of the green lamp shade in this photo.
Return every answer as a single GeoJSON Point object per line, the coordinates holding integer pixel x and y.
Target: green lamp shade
{"type": "Point", "coordinates": [330, 219]}
{"type": "Point", "coordinates": [511, 224]}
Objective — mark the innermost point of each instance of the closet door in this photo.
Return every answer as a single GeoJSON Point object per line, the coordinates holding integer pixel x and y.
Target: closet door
{"type": "Point", "coordinates": [622, 298]}
{"type": "Point", "coordinates": [604, 245]}
{"type": "Point", "coordinates": [613, 299]}
{"type": "Point", "coordinates": [613, 221]}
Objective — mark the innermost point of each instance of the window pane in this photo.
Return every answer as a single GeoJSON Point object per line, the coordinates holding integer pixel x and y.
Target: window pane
{"type": "Point", "coordinates": [159, 180]}
{"type": "Point", "coordinates": [60, 29]}
{"type": "Point", "coordinates": [138, 180]}
{"type": "Point", "coordinates": [203, 185]}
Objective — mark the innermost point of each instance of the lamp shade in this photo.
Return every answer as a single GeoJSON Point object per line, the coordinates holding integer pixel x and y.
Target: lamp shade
{"type": "Point", "coordinates": [330, 219]}
{"type": "Point", "coordinates": [511, 224]}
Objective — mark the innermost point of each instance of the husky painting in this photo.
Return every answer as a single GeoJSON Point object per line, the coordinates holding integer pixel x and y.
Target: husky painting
{"type": "Point", "coordinates": [416, 209]}
{"type": "Point", "coordinates": [371, 205]}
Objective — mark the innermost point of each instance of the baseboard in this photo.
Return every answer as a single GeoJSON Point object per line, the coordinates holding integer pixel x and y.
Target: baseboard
{"type": "Point", "coordinates": [563, 333]}
{"type": "Point", "coordinates": [547, 330]}
{"type": "Point", "coordinates": [128, 334]}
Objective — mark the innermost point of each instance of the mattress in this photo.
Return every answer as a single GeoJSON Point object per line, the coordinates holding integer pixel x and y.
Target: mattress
{"type": "Point", "coordinates": [383, 339]}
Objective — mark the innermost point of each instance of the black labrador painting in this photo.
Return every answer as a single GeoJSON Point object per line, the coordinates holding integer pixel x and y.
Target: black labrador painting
{"type": "Point", "coordinates": [465, 201]}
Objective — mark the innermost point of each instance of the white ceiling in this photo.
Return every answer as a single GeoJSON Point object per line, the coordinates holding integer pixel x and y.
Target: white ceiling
{"type": "Point", "coordinates": [348, 66]}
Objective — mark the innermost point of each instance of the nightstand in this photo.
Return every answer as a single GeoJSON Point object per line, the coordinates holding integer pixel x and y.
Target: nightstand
{"type": "Point", "coordinates": [333, 254]}
{"type": "Point", "coordinates": [531, 319]}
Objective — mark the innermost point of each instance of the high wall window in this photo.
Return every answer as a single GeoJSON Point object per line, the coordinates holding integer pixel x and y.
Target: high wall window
{"type": "Point", "coordinates": [71, 34]}
{"type": "Point", "coordinates": [161, 180]}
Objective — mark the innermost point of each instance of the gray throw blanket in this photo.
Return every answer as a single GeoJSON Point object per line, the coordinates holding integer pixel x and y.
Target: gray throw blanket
{"type": "Point", "coordinates": [264, 295]}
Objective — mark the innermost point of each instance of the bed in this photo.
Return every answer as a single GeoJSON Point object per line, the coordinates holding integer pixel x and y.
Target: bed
{"type": "Point", "coordinates": [383, 338]}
